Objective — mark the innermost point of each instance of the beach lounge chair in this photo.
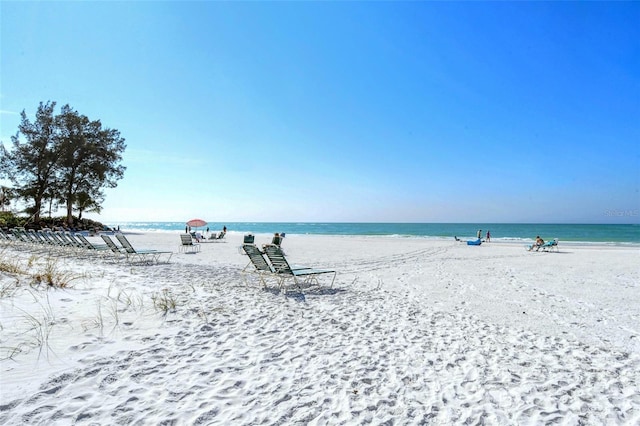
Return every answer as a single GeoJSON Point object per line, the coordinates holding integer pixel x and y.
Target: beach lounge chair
{"type": "Point", "coordinates": [6, 238]}
{"type": "Point", "coordinates": [261, 266]}
{"type": "Point", "coordinates": [20, 235]}
{"type": "Point", "coordinates": [284, 270]}
{"type": "Point", "coordinates": [550, 245]}
{"type": "Point", "coordinates": [69, 242]}
{"type": "Point", "coordinates": [145, 255]}
{"type": "Point", "coordinates": [42, 240]}
{"type": "Point", "coordinates": [218, 238]}
{"type": "Point", "coordinates": [539, 244]}
{"type": "Point", "coordinates": [35, 241]}
{"type": "Point", "coordinates": [46, 236]}
{"type": "Point", "coordinates": [37, 237]}
{"type": "Point", "coordinates": [98, 248]}
{"type": "Point", "coordinates": [29, 238]}
{"type": "Point", "coordinates": [112, 245]}
{"type": "Point", "coordinates": [52, 243]}
{"type": "Point", "coordinates": [63, 242]}
{"type": "Point", "coordinates": [187, 245]}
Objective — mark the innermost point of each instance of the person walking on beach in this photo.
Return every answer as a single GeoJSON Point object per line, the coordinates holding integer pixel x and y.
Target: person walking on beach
{"type": "Point", "coordinates": [488, 238]}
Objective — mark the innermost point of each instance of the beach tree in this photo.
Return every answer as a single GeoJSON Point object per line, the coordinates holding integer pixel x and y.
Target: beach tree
{"type": "Point", "coordinates": [86, 203]}
{"type": "Point", "coordinates": [51, 198]}
{"type": "Point", "coordinates": [63, 159]}
{"type": "Point", "coordinates": [89, 161]}
{"type": "Point", "coordinates": [6, 194]}
{"type": "Point", "coordinates": [31, 164]}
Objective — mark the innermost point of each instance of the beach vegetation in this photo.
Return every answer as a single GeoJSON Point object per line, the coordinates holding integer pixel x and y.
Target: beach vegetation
{"type": "Point", "coordinates": [109, 310]}
{"type": "Point", "coordinates": [115, 313]}
{"type": "Point", "coordinates": [202, 314]}
{"type": "Point", "coordinates": [52, 276]}
{"type": "Point", "coordinates": [129, 299]}
{"type": "Point", "coordinates": [10, 220]}
{"type": "Point", "coordinates": [10, 265]}
{"type": "Point", "coordinates": [39, 327]}
{"type": "Point", "coordinates": [10, 351]}
{"type": "Point", "coordinates": [30, 166]}
{"type": "Point", "coordinates": [48, 273]}
{"type": "Point", "coordinates": [40, 330]}
{"type": "Point", "coordinates": [6, 195]}
{"type": "Point", "coordinates": [98, 321]}
{"type": "Point", "coordinates": [8, 289]}
{"type": "Point", "coordinates": [62, 160]}
{"type": "Point", "coordinates": [380, 283]}
{"type": "Point", "coordinates": [164, 301]}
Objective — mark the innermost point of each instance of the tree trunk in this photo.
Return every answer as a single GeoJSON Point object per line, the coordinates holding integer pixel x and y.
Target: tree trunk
{"type": "Point", "coordinates": [36, 214]}
{"type": "Point", "coordinates": [70, 214]}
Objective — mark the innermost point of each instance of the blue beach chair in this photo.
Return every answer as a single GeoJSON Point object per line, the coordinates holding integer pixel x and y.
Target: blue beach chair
{"type": "Point", "coordinates": [550, 245]}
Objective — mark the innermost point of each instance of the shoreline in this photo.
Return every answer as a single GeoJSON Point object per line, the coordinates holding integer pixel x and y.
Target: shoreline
{"type": "Point", "coordinates": [588, 233]}
{"type": "Point", "coordinates": [511, 241]}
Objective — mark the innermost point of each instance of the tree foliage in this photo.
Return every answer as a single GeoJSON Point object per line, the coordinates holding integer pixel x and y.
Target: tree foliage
{"type": "Point", "coordinates": [6, 195]}
{"type": "Point", "coordinates": [31, 165]}
{"type": "Point", "coordinates": [64, 158]}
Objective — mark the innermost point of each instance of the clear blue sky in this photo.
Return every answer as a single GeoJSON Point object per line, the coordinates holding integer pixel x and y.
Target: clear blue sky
{"type": "Point", "coordinates": [345, 111]}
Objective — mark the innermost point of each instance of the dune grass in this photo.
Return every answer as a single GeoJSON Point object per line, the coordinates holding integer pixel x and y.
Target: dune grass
{"type": "Point", "coordinates": [45, 271]}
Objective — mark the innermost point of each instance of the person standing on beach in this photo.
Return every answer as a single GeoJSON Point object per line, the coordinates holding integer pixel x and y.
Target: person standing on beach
{"type": "Point", "coordinates": [488, 238]}
{"type": "Point", "coordinates": [479, 233]}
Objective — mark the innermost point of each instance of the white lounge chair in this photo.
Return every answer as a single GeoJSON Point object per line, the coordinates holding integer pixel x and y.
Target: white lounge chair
{"type": "Point", "coordinates": [187, 245]}
{"type": "Point", "coordinates": [218, 238]}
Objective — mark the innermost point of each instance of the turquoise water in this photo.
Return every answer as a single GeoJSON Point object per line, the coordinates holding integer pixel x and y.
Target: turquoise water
{"type": "Point", "coordinates": [617, 234]}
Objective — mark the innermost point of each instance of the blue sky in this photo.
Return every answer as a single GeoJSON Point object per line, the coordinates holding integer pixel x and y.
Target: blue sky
{"type": "Point", "coordinates": [345, 111]}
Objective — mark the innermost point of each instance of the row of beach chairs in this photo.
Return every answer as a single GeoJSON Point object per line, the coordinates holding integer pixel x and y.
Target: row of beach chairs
{"type": "Point", "coordinates": [67, 243]}
{"type": "Point", "coordinates": [272, 263]}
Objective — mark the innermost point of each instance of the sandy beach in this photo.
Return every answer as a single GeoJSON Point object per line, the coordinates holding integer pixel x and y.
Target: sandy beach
{"type": "Point", "coordinates": [413, 331]}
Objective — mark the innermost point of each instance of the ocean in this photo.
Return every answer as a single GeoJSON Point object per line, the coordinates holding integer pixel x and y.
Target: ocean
{"type": "Point", "coordinates": [611, 233]}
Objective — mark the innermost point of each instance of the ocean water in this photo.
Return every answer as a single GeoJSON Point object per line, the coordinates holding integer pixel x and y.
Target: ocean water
{"type": "Point", "coordinates": [613, 234]}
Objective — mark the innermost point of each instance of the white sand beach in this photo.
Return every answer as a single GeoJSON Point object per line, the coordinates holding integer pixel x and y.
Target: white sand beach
{"type": "Point", "coordinates": [414, 331]}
